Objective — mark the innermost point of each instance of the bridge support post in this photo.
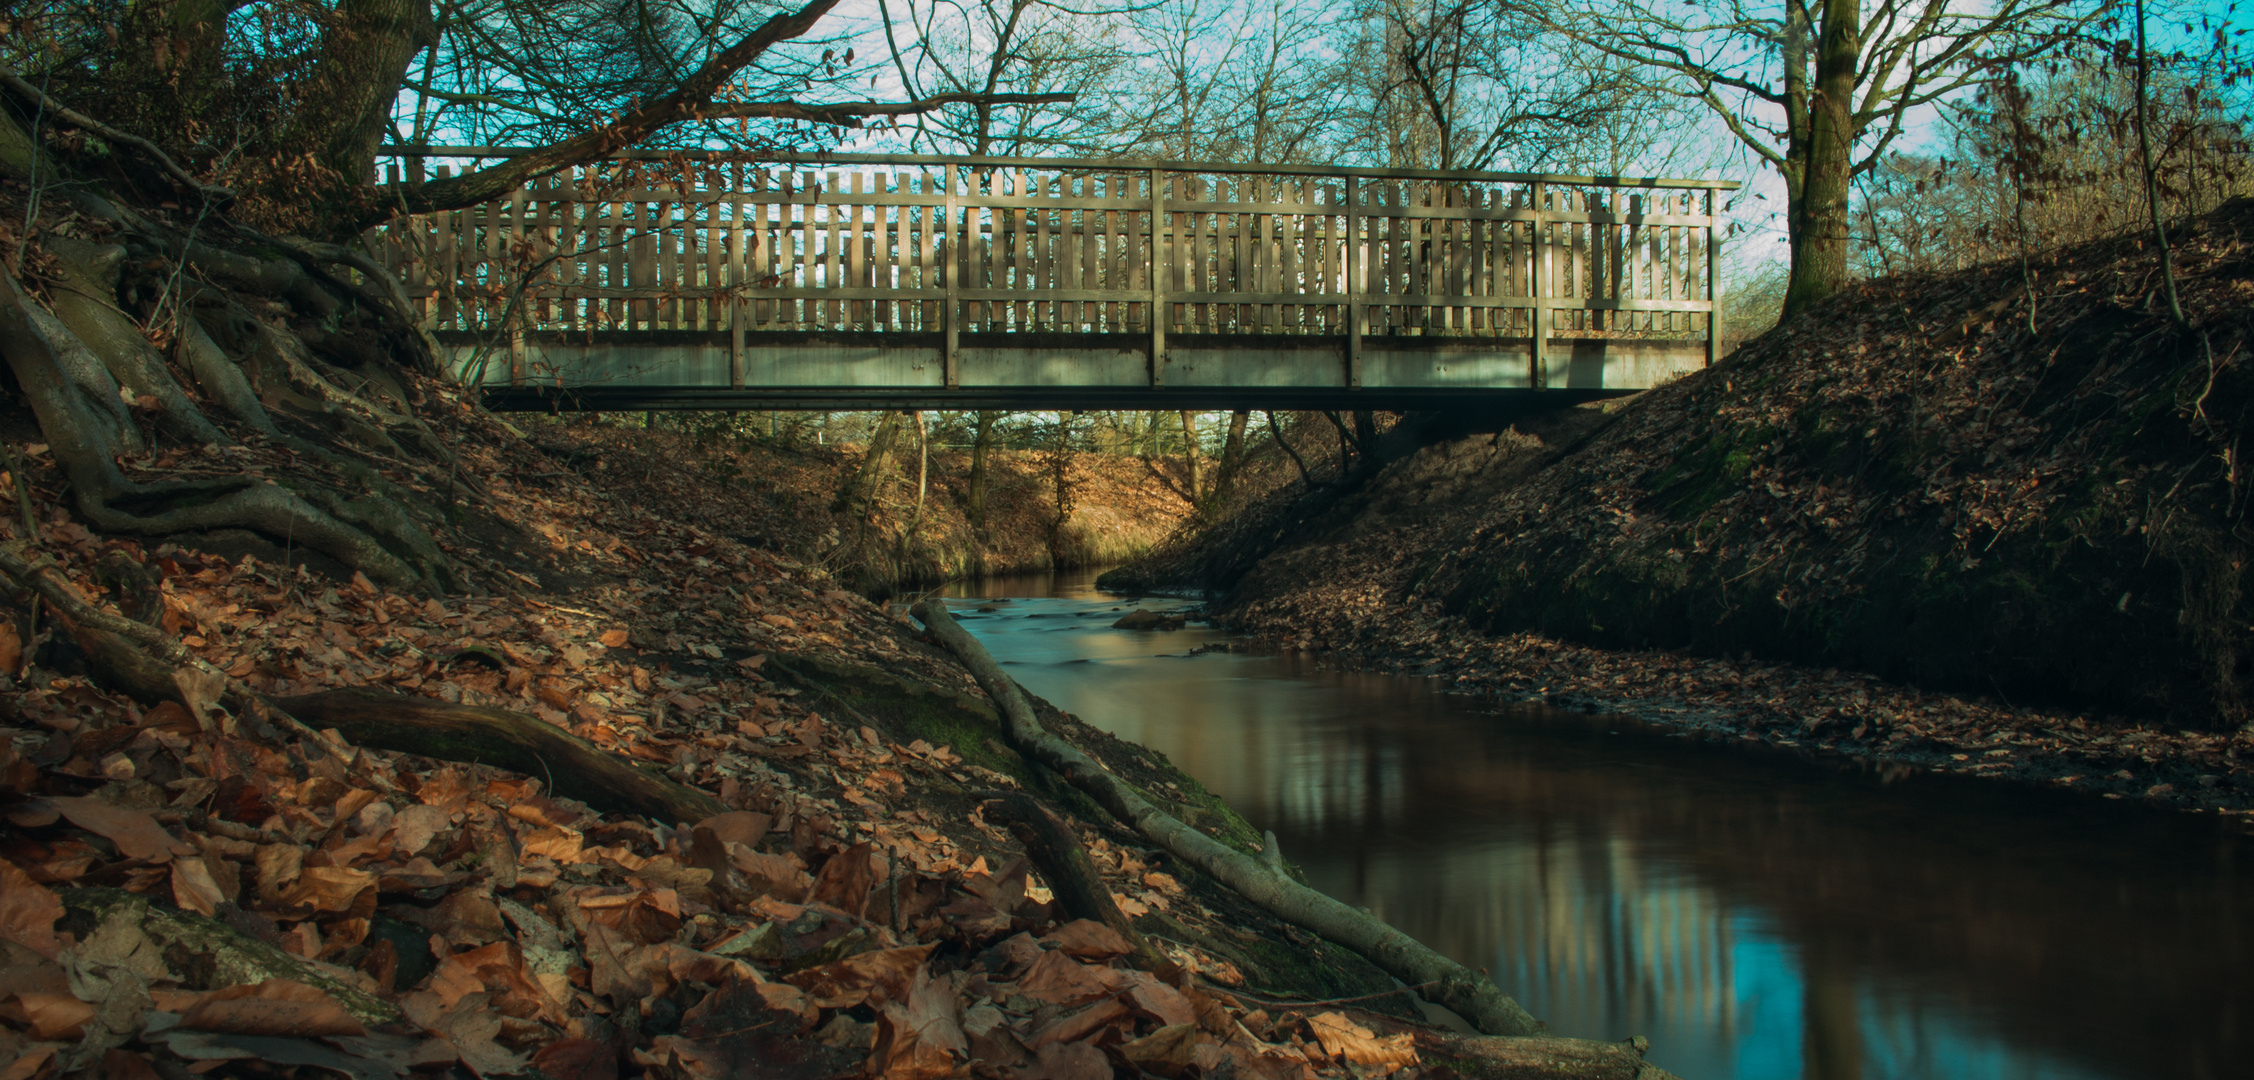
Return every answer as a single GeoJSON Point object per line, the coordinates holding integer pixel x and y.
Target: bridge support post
{"type": "Point", "coordinates": [1538, 349]}
{"type": "Point", "coordinates": [1357, 316]}
{"type": "Point", "coordinates": [950, 269]}
{"type": "Point", "coordinates": [1713, 277]}
{"type": "Point", "coordinates": [1159, 316]}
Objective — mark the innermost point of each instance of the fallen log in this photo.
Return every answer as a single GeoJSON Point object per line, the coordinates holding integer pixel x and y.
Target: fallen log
{"type": "Point", "coordinates": [1471, 994]}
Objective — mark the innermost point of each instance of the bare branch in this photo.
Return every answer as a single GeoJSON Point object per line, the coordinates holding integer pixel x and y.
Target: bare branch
{"type": "Point", "coordinates": [851, 113]}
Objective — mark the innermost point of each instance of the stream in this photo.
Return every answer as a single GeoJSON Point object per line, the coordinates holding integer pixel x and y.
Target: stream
{"type": "Point", "coordinates": [1760, 913]}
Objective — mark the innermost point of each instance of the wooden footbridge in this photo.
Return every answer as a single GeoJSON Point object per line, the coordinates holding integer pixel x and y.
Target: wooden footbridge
{"type": "Point", "coordinates": [672, 281]}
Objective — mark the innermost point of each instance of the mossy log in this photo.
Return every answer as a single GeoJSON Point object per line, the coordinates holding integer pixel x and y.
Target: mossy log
{"type": "Point", "coordinates": [200, 953]}
{"type": "Point", "coordinates": [573, 767]}
{"type": "Point", "coordinates": [1469, 993]}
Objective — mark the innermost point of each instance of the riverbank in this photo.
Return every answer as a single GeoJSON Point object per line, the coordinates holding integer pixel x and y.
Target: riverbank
{"type": "Point", "coordinates": [848, 907]}
{"type": "Point", "coordinates": [784, 498]}
{"type": "Point", "coordinates": [1906, 528]}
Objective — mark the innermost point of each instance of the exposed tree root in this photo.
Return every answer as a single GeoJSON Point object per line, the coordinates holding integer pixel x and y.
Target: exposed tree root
{"type": "Point", "coordinates": [157, 941]}
{"type": "Point", "coordinates": [1071, 875]}
{"type": "Point", "coordinates": [572, 766]}
{"type": "Point", "coordinates": [146, 663]}
{"type": "Point", "coordinates": [1469, 993]}
{"type": "Point", "coordinates": [93, 379]}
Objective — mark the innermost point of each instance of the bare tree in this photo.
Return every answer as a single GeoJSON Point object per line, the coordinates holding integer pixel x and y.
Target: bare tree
{"type": "Point", "coordinates": [1819, 90]}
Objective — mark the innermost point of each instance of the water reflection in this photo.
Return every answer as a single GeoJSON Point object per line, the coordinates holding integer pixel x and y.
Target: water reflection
{"type": "Point", "coordinates": [1758, 914]}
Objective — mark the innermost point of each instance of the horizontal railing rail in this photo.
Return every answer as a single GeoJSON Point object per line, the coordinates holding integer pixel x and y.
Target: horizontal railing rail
{"type": "Point", "coordinates": [949, 246]}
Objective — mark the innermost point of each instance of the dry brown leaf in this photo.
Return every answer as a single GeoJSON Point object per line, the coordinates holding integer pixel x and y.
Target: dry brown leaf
{"type": "Point", "coordinates": [136, 834]}
{"type": "Point", "coordinates": [1082, 1024]}
{"type": "Point", "coordinates": [920, 1038]}
{"type": "Point", "coordinates": [273, 1007]}
{"type": "Point", "coordinates": [842, 984]}
{"type": "Point", "coordinates": [28, 911]}
{"type": "Point", "coordinates": [327, 888]}
{"type": "Point", "coordinates": [744, 827]}
{"type": "Point", "coordinates": [1067, 1061]}
{"type": "Point", "coordinates": [1060, 980]}
{"type": "Point", "coordinates": [1169, 1051]}
{"type": "Point", "coordinates": [193, 887]}
{"type": "Point", "coordinates": [771, 875]}
{"type": "Point", "coordinates": [577, 1059]}
{"type": "Point", "coordinates": [54, 1015]}
{"type": "Point", "coordinates": [1157, 1000]}
{"type": "Point", "coordinates": [647, 916]}
{"type": "Point", "coordinates": [1087, 938]}
{"type": "Point", "coordinates": [561, 845]}
{"type": "Point", "coordinates": [846, 879]}
{"type": "Point", "coordinates": [1348, 1041]}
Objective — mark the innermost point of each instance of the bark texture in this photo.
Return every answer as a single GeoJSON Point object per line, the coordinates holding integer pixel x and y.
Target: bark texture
{"type": "Point", "coordinates": [572, 766]}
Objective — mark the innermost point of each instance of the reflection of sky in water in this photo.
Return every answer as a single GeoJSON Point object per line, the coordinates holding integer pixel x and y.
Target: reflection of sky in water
{"type": "Point", "coordinates": [1760, 917]}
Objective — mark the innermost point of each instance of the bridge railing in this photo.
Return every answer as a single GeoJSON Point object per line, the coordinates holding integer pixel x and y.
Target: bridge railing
{"type": "Point", "coordinates": [900, 244]}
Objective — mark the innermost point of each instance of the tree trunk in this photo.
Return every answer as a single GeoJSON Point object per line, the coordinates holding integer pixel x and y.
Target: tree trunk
{"type": "Point", "coordinates": [1190, 460]}
{"type": "Point", "coordinates": [364, 56]}
{"type": "Point", "coordinates": [1232, 461]}
{"type": "Point", "coordinates": [858, 495]}
{"type": "Point", "coordinates": [981, 443]}
{"type": "Point", "coordinates": [1818, 212]}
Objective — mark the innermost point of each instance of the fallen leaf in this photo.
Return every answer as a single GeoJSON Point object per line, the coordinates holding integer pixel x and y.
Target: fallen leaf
{"type": "Point", "coordinates": [55, 1015]}
{"type": "Point", "coordinates": [842, 984]}
{"type": "Point", "coordinates": [327, 888]}
{"type": "Point", "coordinates": [1060, 980]}
{"type": "Point", "coordinates": [921, 1037]}
{"type": "Point", "coordinates": [1169, 1051]}
{"type": "Point", "coordinates": [1077, 1026]}
{"type": "Point", "coordinates": [577, 1059]}
{"type": "Point", "coordinates": [846, 879]}
{"type": "Point", "coordinates": [193, 887]}
{"type": "Point", "coordinates": [1067, 1061]}
{"type": "Point", "coordinates": [1157, 1000]}
{"type": "Point", "coordinates": [28, 911]}
{"type": "Point", "coordinates": [1357, 1045]}
{"type": "Point", "coordinates": [1088, 938]}
{"type": "Point", "coordinates": [273, 1007]}
{"type": "Point", "coordinates": [647, 916]}
{"type": "Point", "coordinates": [136, 834]}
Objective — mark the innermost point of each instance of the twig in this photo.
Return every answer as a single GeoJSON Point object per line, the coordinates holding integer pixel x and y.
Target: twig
{"type": "Point", "coordinates": [1282, 1003]}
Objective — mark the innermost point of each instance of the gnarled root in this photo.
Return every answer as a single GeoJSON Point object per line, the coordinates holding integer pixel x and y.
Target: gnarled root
{"type": "Point", "coordinates": [366, 535]}
{"type": "Point", "coordinates": [572, 766]}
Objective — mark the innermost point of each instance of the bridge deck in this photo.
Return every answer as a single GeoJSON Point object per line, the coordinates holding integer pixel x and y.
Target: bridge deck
{"type": "Point", "coordinates": [696, 282]}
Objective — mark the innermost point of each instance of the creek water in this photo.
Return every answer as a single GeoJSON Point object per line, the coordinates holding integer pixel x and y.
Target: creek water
{"type": "Point", "coordinates": [1760, 913]}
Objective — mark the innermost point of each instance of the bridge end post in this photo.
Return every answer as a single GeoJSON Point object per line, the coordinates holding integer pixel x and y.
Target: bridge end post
{"type": "Point", "coordinates": [1159, 316]}
{"type": "Point", "coordinates": [1537, 376]}
{"type": "Point", "coordinates": [1357, 316]}
{"type": "Point", "coordinates": [1713, 277]}
{"type": "Point", "coordinates": [950, 269]}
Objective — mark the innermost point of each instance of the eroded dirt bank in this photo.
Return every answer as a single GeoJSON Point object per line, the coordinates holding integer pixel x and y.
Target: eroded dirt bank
{"type": "Point", "coordinates": [917, 530]}
{"type": "Point", "coordinates": [1907, 527]}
